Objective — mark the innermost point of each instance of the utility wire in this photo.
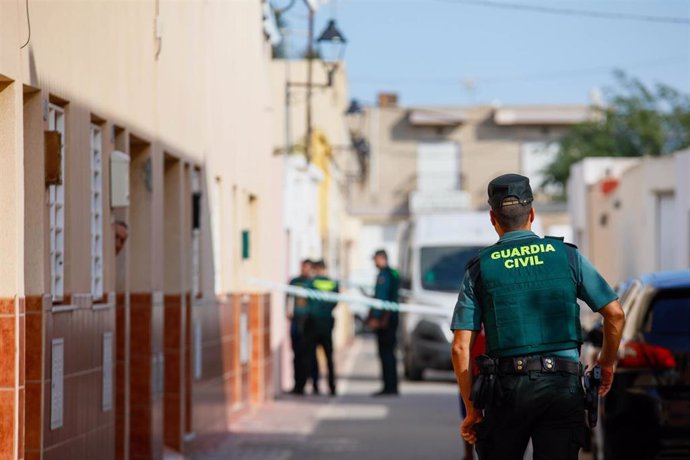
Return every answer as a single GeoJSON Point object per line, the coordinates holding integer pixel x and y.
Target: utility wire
{"type": "Point", "coordinates": [28, 23]}
{"type": "Point", "coordinates": [571, 12]}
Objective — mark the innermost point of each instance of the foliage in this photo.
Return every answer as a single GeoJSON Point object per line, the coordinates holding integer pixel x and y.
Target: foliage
{"type": "Point", "coordinates": [635, 121]}
{"type": "Point", "coordinates": [280, 50]}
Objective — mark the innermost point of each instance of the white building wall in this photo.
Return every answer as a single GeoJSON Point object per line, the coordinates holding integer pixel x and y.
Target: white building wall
{"type": "Point", "coordinates": [583, 175]}
{"type": "Point", "coordinates": [643, 225]}
{"type": "Point", "coordinates": [372, 238]}
{"type": "Point", "coordinates": [682, 243]}
{"type": "Point", "coordinates": [301, 210]}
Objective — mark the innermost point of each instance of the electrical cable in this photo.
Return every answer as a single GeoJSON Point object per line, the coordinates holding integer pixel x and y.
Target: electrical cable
{"type": "Point", "coordinates": [571, 12]}
{"type": "Point", "coordinates": [28, 23]}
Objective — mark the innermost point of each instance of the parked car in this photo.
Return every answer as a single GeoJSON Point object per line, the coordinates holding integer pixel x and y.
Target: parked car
{"type": "Point", "coordinates": [646, 415]}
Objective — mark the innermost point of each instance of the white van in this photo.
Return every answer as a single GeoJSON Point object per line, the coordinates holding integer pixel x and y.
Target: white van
{"type": "Point", "coordinates": [435, 249]}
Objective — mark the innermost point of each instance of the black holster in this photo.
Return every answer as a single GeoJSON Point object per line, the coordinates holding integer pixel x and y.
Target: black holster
{"type": "Point", "coordinates": [485, 391]}
{"type": "Point", "coordinates": [592, 382]}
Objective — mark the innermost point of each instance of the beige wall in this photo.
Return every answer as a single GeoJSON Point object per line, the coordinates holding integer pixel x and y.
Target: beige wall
{"type": "Point", "coordinates": [195, 91]}
{"type": "Point", "coordinates": [201, 93]}
{"type": "Point", "coordinates": [624, 224]}
{"type": "Point", "coordinates": [332, 160]}
{"type": "Point", "coordinates": [328, 104]}
{"type": "Point", "coordinates": [11, 189]}
{"type": "Point", "coordinates": [487, 150]}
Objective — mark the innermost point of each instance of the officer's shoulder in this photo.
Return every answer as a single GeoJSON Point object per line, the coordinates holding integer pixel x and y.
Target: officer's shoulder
{"type": "Point", "coordinates": [561, 239]}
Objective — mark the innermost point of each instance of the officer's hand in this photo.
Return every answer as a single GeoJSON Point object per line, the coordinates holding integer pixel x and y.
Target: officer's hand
{"type": "Point", "coordinates": [606, 379]}
{"type": "Point", "coordinates": [467, 428]}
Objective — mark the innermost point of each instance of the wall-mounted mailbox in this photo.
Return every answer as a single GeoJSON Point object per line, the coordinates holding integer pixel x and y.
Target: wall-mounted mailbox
{"type": "Point", "coordinates": [119, 179]}
{"type": "Point", "coordinates": [53, 157]}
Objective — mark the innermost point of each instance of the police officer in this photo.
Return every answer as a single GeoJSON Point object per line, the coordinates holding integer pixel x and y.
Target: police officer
{"type": "Point", "coordinates": [297, 313]}
{"type": "Point", "coordinates": [385, 323]}
{"type": "Point", "coordinates": [524, 290]}
{"type": "Point", "coordinates": [319, 325]}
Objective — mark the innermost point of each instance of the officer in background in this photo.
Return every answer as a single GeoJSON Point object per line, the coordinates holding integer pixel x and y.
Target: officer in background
{"type": "Point", "coordinates": [297, 313]}
{"type": "Point", "coordinates": [319, 324]}
{"type": "Point", "coordinates": [524, 290]}
{"type": "Point", "coordinates": [385, 323]}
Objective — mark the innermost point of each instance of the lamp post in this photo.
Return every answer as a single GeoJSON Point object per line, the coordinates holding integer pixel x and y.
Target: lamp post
{"type": "Point", "coordinates": [330, 41]}
{"type": "Point", "coordinates": [331, 49]}
{"type": "Point", "coordinates": [355, 123]}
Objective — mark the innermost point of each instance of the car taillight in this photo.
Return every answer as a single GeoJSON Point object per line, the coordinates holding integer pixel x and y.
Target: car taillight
{"type": "Point", "coordinates": [636, 355]}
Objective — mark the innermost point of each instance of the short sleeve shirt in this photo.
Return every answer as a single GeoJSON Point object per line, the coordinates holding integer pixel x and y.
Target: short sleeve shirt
{"type": "Point", "coordinates": [591, 288]}
{"type": "Point", "coordinates": [387, 286]}
{"type": "Point", "coordinates": [300, 305]}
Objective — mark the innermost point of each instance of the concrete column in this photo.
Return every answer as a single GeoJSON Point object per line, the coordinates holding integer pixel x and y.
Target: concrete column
{"type": "Point", "coordinates": [176, 366]}
{"type": "Point", "coordinates": [12, 342]}
{"type": "Point", "coordinates": [146, 302]}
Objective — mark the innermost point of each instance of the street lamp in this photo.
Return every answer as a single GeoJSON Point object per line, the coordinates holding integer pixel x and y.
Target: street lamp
{"type": "Point", "coordinates": [331, 48]}
{"type": "Point", "coordinates": [329, 40]}
{"type": "Point", "coordinates": [355, 117]}
{"type": "Point", "coordinates": [355, 123]}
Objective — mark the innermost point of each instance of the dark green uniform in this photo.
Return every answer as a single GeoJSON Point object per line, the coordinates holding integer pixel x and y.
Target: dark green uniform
{"type": "Point", "coordinates": [524, 291]}
{"type": "Point", "coordinates": [319, 326]}
{"type": "Point", "coordinates": [387, 286]}
{"type": "Point", "coordinates": [299, 316]}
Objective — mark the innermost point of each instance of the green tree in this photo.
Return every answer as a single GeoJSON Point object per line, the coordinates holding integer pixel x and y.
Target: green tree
{"type": "Point", "coordinates": [635, 121]}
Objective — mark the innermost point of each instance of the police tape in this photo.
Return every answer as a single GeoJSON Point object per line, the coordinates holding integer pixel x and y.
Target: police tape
{"type": "Point", "coordinates": [369, 288]}
{"type": "Point", "coordinates": [432, 310]}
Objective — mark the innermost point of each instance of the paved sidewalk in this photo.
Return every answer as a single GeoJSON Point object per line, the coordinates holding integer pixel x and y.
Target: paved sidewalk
{"type": "Point", "coordinates": [422, 423]}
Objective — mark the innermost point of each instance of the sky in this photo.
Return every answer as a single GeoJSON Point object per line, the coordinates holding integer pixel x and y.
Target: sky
{"type": "Point", "coordinates": [456, 52]}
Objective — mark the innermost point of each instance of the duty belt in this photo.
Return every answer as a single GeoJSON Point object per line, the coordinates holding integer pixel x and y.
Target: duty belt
{"type": "Point", "coordinates": [543, 364]}
{"type": "Point", "coordinates": [485, 391]}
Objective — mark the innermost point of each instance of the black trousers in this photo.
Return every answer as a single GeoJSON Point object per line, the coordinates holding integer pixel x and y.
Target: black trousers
{"type": "Point", "coordinates": [387, 341]}
{"type": "Point", "coordinates": [324, 339]}
{"type": "Point", "coordinates": [299, 350]}
{"type": "Point", "coordinates": [549, 408]}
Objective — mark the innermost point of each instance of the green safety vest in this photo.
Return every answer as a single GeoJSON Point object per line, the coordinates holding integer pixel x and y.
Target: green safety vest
{"type": "Point", "coordinates": [529, 297]}
{"type": "Point", "coordinates": [322, 308]}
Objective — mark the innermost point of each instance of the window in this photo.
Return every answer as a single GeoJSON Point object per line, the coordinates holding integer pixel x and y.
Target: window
{"type": "Point", "coordinates": [216, 226]}
{"type": "Point", "coordinates": [56, 200]}
{"type": "Point", "coordinates": [196, 233]}
{"type": "Point", "coordinates": [666, 231]}
{"type": "Point", "coordinates": [96, 213]}
{"type": "Point", "coordinates": [535, 157]}
{"type": "Point", "coordinates": [669, 321]}
{"type": "Point", "coordinates": [245, 245]}
{"type": "Point", "coordinates": [438, 167]}
{"type": "Point", "coordinates": [443, 268]}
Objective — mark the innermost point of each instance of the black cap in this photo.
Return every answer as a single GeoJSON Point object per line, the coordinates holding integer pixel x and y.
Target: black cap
{"type": "Point", "coordinates": [381, 252]}
{"type": "Point", "coordinates": [507, 186]}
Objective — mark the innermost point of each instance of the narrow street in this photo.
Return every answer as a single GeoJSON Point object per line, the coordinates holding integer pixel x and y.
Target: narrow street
{"type": "Point", "coordinates": [421, 423]}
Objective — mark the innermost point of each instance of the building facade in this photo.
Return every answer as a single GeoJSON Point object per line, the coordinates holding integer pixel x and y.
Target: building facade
{"type": "Point", "coordinates": [158, 116]}
{"type": "Point", "coordinates": [454, 149]}
{"type": "Point", "coordinates": [632, 214]}
{"type": "Point", "coordinates": [317, 225]}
